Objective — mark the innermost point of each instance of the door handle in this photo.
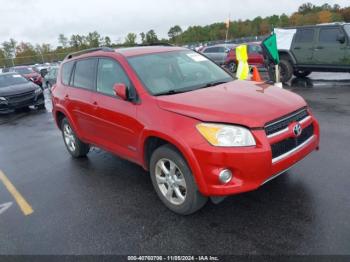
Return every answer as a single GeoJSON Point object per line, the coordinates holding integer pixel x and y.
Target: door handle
{"type": "Point", "coordinates": [319, 47]}
{"type": "Point", "coordinates": [297, 48]}
{"type": "Point", "coordinates": [95, 104]}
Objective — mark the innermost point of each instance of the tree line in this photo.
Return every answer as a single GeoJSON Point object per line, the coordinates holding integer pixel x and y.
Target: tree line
{"type": "Point", "coordinates": [16, 53]}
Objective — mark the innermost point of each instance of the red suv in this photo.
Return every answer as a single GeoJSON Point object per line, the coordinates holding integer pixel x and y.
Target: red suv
{"type": "Point", "coordinates": [198, 131]}
{"type": "Point", "coordinates": [255, 57]}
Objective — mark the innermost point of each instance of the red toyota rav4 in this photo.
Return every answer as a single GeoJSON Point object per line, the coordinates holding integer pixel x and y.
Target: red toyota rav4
{"type": "Point", "coordinates": [198, 131]}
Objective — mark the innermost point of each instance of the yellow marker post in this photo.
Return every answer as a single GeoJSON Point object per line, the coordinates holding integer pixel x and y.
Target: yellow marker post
{"type": "Point", "coordinates": [23, 204]}
{"type": "Point", "coordinates": [242, 58]}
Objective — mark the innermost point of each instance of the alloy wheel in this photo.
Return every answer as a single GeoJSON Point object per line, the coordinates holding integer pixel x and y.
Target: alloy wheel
{"type": "Point", "coordinates": [171, 181]}
{"type": "Point", "coordinates": [69, 138]}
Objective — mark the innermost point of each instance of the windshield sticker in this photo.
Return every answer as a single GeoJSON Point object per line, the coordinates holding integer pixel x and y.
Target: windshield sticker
{"type": "Point", "coordinates": [197, 57]}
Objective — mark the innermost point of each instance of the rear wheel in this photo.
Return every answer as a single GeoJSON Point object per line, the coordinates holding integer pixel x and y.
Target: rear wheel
{"type": "Point", "coordinates": [232, 67]}
{"type": "Point", "coordinates": [173, 181]}
{"type": "Point", "coordinates": [74, 145]}
{"type": "Point", "coordinates": [286, 70]}
{"type": "Point", "coordinates": [301, 73]}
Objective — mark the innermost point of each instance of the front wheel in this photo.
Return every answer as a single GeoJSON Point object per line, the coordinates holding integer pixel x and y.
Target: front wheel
{"type": "Point", "coordinates": [286, 70]}
{"type": "Point", "coordinates": [74, 145]}
{"type": "Point", "coordinates": [301, 73]}
{"type": "Point", "coordinates": [174, 182]}
{"type": "Point", "coordinates": [41, 106]}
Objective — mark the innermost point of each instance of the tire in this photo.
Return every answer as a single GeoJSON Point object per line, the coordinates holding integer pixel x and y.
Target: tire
{"type": "Point", "coordinates": [232, 67]}
{"type": "Point", "coordinates": [73, 144]}
{"type": "Point", "coordinates": [286, 70]}
{"type": "Point", "coordinates": [183, 195]}
{"type": "Point", "coordinates": [301, 73]}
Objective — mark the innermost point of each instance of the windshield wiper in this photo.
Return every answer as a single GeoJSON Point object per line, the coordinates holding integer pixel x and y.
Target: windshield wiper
{"type": "Point", "coordinates": [212, 84]}
{"type": "Point", "coordinates": [171, 92]}
{"type": "Point", "coordinates": [174, 91]}
{"type": "Point", "coordinates": [216, 83]}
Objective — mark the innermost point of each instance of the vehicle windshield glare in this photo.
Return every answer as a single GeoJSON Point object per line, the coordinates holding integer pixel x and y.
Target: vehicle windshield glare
{"type": "Point", "coordinates": [24, 70]}
{"type": "Point", "coordinates": [11, 79]}
{"type": "Point", "coordinates": [177, 71]}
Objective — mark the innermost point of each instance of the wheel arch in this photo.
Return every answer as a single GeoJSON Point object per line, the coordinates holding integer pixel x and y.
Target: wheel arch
{"type": "Point", "coordinates": [288, 55]}
{"type": "Point", "coordinates": [60, 114]}
{"type": "Point", "coordinates": [153, 140]}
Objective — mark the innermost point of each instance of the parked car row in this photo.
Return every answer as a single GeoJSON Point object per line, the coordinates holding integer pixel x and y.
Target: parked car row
{"type": "Point", "coordinates": [302, 50]}
{"type": "Point", "coordinates": [225, 55]}
{"type": "Point", "coordinates": [44, 75]}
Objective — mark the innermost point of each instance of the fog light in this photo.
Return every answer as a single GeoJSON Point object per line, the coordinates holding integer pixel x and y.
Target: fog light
{"type": "Point", "coordinates": [225, 176]}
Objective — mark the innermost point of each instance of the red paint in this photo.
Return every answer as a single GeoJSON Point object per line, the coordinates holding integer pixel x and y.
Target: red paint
{"type": "Point", "coordinates": [122, 127]}
{"type": "Point", "coordinates": [33, 76]}
{"type": "Point", "coordinates": [254, 59]}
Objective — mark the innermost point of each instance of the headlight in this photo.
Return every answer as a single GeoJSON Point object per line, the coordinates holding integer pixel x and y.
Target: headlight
{"type": "Point", "coordinates": [226, 135]}
{"type": "Point", "coordinates": [38, 91]}
{"type": "Point", "coordinates": [3, 98]}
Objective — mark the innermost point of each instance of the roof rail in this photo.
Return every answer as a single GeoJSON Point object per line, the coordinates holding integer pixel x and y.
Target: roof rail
{"type": "Point", "coordinates": [155, 44]}
{"type": "Point", "coordinates": [86, 51]}
{"type": "Point", "coordinates": [333, 23]}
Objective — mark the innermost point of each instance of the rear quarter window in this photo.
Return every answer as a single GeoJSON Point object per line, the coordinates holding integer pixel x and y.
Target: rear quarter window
{"type": "Point", "coordinates": [85, 74]}
{"type": "Point", "coordinates": [66, 72]}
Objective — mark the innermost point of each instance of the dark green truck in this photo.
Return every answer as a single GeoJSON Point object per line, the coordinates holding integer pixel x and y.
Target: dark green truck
{"type": "Point", "coordinates": [319, 48]}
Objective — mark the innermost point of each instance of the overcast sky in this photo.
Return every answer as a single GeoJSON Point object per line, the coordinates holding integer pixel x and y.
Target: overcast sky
{"type": "Point", "coordinates": [41, 21]}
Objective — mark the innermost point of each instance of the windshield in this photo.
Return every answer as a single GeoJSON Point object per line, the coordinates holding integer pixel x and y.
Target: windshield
{"type": "Point", "coordinates": [347, 29]}
{"type": "Point", "coordinates": [11, 79]}
{"type": "Point", "coordinates": [24, 70]}
{"type": "Point", "coordinates": [178, 71]}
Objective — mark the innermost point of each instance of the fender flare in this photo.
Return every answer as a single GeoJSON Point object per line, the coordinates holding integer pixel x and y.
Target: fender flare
{"type": "Point", "coordinates": [62, 110]}
{"type": "Point", "coordinates": [185, 150]}
{"type": "Point", "coordinates": [290, 55]}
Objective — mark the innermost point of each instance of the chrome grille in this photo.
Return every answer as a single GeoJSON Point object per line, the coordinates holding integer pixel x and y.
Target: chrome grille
{"type": "Point", "coordinates": [283, 122]}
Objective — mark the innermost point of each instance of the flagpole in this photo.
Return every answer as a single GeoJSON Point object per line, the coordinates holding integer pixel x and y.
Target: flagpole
{"type": "Point", "coordinates": [227, 27]}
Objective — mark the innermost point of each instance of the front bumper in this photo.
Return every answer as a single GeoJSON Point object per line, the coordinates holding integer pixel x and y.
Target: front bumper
{"type": "Point", "coordinates": [6, 108]}
{"type": "Point", "coordinates": [251, 166]}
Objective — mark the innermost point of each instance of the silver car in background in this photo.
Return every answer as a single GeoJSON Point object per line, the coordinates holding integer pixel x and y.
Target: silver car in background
{"type": "Point", "coordinates": [217, 53]}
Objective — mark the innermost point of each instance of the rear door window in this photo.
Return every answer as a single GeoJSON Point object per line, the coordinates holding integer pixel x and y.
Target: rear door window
{"type": "Point", "coordinates": [66, 72]}
{"type": "Point", "coordinates": [85, 74]}
{"type": "Point", "coordinates": [305, 36]}
{"type": "Point", "coordinates": [329, 35]}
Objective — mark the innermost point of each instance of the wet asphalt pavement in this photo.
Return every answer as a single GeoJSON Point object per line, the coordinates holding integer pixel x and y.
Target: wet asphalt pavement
{"type": "Point", "coordinates": [106, 205]}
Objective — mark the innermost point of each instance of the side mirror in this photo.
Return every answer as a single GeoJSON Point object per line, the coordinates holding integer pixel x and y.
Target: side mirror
{"type": "Point", "coordinates": [341, 38]}
{"type": "Point", "coordinates": [121, 90]}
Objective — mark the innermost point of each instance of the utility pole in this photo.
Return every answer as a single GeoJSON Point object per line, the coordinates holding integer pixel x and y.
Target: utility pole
{"type": "Point", "coordinates": [41, 54]}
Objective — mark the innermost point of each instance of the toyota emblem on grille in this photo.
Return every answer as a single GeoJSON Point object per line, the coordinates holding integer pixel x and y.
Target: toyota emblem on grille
{"type": "Point", "coordinates": [297, 130]}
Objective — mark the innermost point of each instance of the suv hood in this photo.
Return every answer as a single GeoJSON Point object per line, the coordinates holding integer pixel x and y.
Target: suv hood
{"type": "Point", "coordinates": [238, 102]}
